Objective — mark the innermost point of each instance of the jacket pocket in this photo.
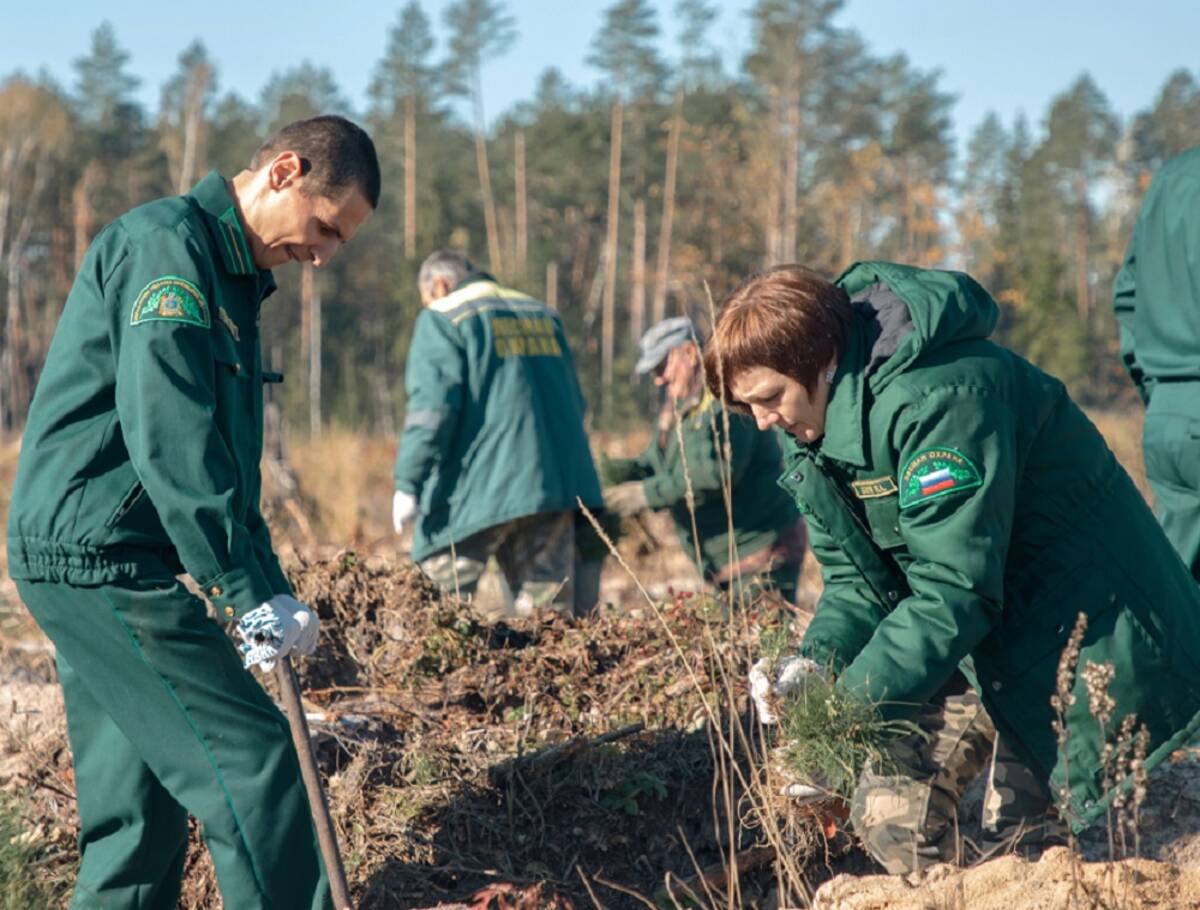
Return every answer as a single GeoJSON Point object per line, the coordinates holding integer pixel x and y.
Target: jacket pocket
{"type": "Point", "coordinates": [1042, 624]}
{"type": "Point", "coordinates": [128, 501]}
{"type": "Point", "coordinates": [883, 517]}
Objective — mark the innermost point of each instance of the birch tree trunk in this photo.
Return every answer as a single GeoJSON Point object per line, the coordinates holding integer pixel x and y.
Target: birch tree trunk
{"type": "Point", "coordinates": [637, 291]}
{"type": "Point", "coordinates": [485, 182]}
{"type": "Point", "coordinates": [310, 303]}
{"type": "Point", "coordinates": [663, 265]}
{"type": "Point", "coordinates": [522, 209]}
{"type": "Point", "coordinates": [193, 125]}
{"type": "Point", "coordinates": [410, 176]}
{"type": "Point", "coordinates": [552, 285]}
{"type": "Point", "coordinates": [608, 315]}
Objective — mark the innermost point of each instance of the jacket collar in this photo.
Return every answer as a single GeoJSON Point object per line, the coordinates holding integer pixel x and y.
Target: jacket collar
{"type": "Point", "coordinates": [844, 415]}
{"type": "Point", "coordinates": [212, 195]}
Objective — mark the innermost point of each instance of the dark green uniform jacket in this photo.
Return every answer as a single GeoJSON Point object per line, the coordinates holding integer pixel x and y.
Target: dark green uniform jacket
{"type": "Point", "coordinates": [494, 424]}
{"type": "Point", "coordinates": [961, 505]}
{"type": "Point", "coordinates": [141, 453]}
{"type": "Point", "coordinates": [1157, 292]}
{"type": "Point", "coordinates": [760, 514]}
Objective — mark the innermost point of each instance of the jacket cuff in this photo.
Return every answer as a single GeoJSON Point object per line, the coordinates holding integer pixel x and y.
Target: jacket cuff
{"type": "Point", "coordinates": [237, 592]}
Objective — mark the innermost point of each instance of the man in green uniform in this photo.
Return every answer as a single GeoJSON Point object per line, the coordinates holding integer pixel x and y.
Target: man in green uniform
{"type": "Point", "coordinates": [1157, 302]}
{"type": "Point", "coordinates": [961, 506]}
{"type": "Point", "coordinates": [140, 461]}
{"type": "Point", "coordinates": [493, 453]}
{"type": "Point", "coordinates": [767, 548]}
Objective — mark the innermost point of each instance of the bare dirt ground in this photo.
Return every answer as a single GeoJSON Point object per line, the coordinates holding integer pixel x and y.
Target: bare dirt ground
{"type": "Point", "coordinates": [502, 762]}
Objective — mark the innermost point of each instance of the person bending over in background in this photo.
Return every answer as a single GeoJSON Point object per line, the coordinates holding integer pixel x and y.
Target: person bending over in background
{"type": "Point", "coordinates": [493, 452]}
{"type": "Point", "coordinates": [768, 535]}
{"type": "Point", "coordinates": [964, 512]}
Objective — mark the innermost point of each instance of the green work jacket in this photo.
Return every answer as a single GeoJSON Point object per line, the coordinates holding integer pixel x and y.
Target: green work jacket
{"type": "Point", "coordinates": [761, 515]}
{"type": "Point", "coordinates": [494, 423]}
{"type": "Point", "coordinates": [962, 506]}
{"type": "Point", "coordinates": [141, 451]}
{"type": "Point", "coordinates": [1156, 295]}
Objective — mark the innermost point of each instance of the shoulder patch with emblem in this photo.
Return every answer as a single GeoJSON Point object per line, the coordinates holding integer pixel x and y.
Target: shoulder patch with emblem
{"type": "Point", "coordinates": [936, 472]}
{"type": "Point", "coordinates": [171, 299]}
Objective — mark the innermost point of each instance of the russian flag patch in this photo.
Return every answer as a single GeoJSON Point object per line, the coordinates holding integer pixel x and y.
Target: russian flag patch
{"type": "Point", "coordinates": [935, 472]}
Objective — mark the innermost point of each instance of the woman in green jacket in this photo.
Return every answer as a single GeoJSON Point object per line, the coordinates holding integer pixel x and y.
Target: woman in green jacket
{"type": "Point", "coordinates": [965, 512]}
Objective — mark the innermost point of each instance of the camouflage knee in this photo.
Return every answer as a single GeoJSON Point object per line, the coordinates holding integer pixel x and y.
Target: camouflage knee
{"type": "Point", "coordinates": [538, 559]}
{"type": "Point", "coordinates": [905, 824]}
{"type": "Point", "coordinates": [908, 817]}
{"type": "Point", "coordinates": [460, 573]}
{"type": "Point", "coordinates": [1017, 810]}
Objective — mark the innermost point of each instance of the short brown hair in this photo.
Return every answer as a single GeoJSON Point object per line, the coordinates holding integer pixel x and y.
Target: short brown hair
{"type": "Point", "coordinates": [334, 154]}
{"type": "Point", "coordinates": [787, 318]}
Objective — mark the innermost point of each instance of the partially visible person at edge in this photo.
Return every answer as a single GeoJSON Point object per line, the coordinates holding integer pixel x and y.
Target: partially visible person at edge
{"type": "Point", "coordinates": [140, 461]}
{"type": "Point", "coordinates": [964, 512]}
{"type": "Point", "coordinates": [768, 535]}
{"type": "Point", "coordinates": [1157, 302]}
{"type": "Point", "coordinates": [493, 454]}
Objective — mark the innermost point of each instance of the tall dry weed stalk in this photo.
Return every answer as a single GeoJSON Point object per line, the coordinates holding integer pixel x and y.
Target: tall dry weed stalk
{"type": "Point", "coordinates": [1063, 699]}
{"type": "Point", "coordinates": [743, 801]}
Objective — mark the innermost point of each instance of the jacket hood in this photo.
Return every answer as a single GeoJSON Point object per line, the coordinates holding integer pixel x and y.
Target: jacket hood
{"type": "Point", "coordinates": [910, 311]}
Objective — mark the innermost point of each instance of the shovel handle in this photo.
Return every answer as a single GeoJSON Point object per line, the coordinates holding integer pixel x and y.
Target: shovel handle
{"type": "Point", "coordinates": [289, 687]}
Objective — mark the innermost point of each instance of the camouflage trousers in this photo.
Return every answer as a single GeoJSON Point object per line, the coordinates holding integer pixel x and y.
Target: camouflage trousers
{"type": "Point", "coordinates": [536, 554]}
{"type": "Point", "coordinates": [908, 817]}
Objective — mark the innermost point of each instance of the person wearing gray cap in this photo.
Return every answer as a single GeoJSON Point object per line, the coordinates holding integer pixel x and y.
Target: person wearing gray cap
{"type": "Point", "coordinates": [768, 534]}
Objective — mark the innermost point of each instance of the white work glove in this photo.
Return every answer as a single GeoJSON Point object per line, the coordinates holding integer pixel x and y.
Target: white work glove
{"type": "Point", "coordinates": [790, 675]}
{"type": "Point", "coordinates": [404, 510]}
{"type": "Point", "coordinates": [279, 628]}
{"type": "Point", "coordinates": [626, 499]}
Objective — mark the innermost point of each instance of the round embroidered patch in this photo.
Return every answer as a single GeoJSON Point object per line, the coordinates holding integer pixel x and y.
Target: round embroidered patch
{"type": "Point", "coordinates": [935, 472]}
{"type": "Point", "coordinates": [171, 299]}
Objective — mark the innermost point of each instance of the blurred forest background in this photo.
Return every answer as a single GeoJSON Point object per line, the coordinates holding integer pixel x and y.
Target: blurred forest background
{"type": "Point", "coordinates": [615, 204]}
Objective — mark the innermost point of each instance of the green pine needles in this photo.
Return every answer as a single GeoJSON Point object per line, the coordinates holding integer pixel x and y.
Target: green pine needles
{"type": "Point", "coordinates": [830, 736]}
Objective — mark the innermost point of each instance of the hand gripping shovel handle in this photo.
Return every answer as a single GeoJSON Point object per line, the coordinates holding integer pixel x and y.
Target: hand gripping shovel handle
{"type": "Point", "coordinates": [289, 686]}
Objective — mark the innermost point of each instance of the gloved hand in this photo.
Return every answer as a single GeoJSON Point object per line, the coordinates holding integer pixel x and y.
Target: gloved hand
{"type": "Point", "coordinates": [790, 674]}
{"type": "Point", "coordinates": [279, 628]}
{"type": "Point", "coordinates": [804, 793]}
{"type": "Point", "coordinates": [626, 499]}
{"type": "Point", "coordinates": [404, 510]}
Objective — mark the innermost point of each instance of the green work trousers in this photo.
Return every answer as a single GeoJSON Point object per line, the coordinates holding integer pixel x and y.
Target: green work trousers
{"type": "Point", "coordinates": [164, 722]}
{"type": "Point", "coordinates": [1171, 446]}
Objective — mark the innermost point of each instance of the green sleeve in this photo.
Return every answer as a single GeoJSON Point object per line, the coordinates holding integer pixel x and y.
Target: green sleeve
{"type": "Point", "coordinates": [1124, 305]}
{"type": "Point", "coordinates": [958, 541]}
{"type": "Point", "coordinates": [703, 457]}
{"type": "Point", "coordinates": [433, 379]}
{"type": "Point", "coordinates": [848, 611]}
{"type": "Point", "coordinates": [260, 534]}
{"type": "Point", "coordinates": [166, 391]}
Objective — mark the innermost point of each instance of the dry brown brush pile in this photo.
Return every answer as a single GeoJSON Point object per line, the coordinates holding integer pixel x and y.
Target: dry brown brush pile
{"type": "Point", "coordinates": [536, 762]}
{"type": "Point", "coordinates": [540, 751]}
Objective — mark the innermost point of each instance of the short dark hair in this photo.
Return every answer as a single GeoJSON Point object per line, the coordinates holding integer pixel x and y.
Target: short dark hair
{"type": "Point", "coordinates": [787, 318]}
{"type": "Point", "coordinates": [334, 153]}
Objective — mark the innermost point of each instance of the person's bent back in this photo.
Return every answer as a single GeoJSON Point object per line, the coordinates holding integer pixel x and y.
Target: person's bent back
{"type": "Point", "coordinates": [493, 453]}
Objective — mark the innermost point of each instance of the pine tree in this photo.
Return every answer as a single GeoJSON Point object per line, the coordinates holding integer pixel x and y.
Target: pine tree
{"type": "Point", "coordinates": [480, 30]}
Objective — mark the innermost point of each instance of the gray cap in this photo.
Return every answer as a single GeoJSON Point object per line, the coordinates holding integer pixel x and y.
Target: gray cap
{"type": "Point", "coordinates": [660, 340]}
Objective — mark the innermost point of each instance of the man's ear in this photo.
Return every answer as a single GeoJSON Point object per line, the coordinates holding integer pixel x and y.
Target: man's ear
{"type": "Point", "coordinates": [284, 170]}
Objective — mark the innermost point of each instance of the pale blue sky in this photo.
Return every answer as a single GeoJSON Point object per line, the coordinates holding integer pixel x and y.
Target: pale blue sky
{"type": "Point", "coordinates": [1002, 55]}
